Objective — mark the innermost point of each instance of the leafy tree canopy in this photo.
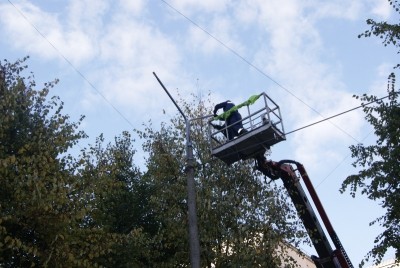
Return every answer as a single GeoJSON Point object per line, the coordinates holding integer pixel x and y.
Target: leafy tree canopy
{"type": "Point", "coordinates": [45, 200]}
{"type": "Point", "coordinates": [99, 210]}
{"type": "Point", "coordinates": [37, 201]}
{"type": "Point", "coordinates": [379, 175]}
{"type": "Point", "coordinates": [242, 220]}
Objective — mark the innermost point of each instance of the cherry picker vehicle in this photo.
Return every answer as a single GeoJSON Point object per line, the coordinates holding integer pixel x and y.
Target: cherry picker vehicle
{"type": "Point", "coordinates": [265, 128]}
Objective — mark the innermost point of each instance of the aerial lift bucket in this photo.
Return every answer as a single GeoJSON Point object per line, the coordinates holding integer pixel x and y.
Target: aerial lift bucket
{"type": "Point", "coordinates": [263, 121]}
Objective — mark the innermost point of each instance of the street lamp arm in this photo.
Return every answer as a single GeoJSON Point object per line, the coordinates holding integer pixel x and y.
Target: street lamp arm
{"type": "Point", "coordinates": [169, 95]}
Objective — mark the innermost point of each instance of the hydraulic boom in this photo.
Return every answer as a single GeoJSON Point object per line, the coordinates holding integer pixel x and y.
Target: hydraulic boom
{"type": "Point", "coordinates": [287, 170]}
{"type": "Point", "coordinates": [264, 127]}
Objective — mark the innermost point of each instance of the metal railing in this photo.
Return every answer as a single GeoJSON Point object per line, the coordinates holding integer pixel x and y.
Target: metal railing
{"type": "Point", "coordinates": [263, 111]}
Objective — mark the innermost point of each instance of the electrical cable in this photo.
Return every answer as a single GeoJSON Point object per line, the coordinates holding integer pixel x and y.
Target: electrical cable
{"type": "Point", "coordinates": [194, 23]}
{"type": "Point", "coordinates": [72, 66]}
{"type": "Point", "coordinates": [253, 66]}
{"type": "Point", "coordinates": [337, 166]}
{"type": "Point", "coordinates": [352, 109]}
{"type": "Point", "coordinates": [355, 108]}
{"type": "Point", "coordinates": [220, 42]}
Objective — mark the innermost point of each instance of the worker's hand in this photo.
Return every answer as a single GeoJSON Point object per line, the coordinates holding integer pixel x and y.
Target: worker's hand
{"type": "Point", "coordinates": [215, 112]}
{"type": "Point", "coordinates": [216, 126]}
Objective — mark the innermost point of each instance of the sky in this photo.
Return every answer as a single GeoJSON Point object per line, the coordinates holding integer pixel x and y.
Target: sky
{"type": "Point", "coordinates": [305, 54]}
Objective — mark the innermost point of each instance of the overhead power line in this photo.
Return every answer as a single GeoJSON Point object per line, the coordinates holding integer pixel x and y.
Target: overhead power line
{"type": "Point", "coordinates": [216, 39]}
{"type": "Point", "coordinates": [336, 115]}
{"type": "Point", "coordinates": [70, 63]}
{"type": "Point", "coordinates": [254, 66]}
{"type": "Point", "coordinates": [325, 119]}
{"type": "Point", "coordinates": [224, 45]}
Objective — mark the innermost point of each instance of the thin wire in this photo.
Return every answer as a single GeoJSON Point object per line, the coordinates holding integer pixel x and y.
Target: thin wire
{"type": "Point", "coordinates": [252, 65]}
{"type": "Point", "coordinates": [70, 63]}
{"type": "Point", "coordinates": [223, 44]}
{"type": "Point", "coordinates": [341, 162]}
{"type": "Point", "coordinates": [337, 166]}
{"type": "Point", "coordinates": [355, 108]}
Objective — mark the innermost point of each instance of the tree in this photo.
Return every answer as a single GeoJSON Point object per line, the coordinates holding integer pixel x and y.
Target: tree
{"type": "Point", "coordinates": [242, 220]}
{"type": "Point", "coordinates": [389, 33]}
{"type": "Point", "coordinates": [99, 210]}
{"type": "Point", "coordinates": [120, 202]}
{"type": "Point", "coordinates": [43, 201]}
{"type": "Point", "coordinates": [379, 175]}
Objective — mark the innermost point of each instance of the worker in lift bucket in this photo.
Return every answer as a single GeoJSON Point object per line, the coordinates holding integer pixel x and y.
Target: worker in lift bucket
{"type": "Point", "coordinates": [233, 121]}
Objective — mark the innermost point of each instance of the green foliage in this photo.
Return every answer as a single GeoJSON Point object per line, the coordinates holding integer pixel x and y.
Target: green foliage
{"type": "Point", "coordinates": [44, 202]}
{"type": "Point", "coordinates": [37, 201]}
{"type": "Point", "coordinates": [119, 202]}
{"type": "Point", "coordinates": [241, 219]}
{"type": "Point", "coordinates": [389, 33]}
{"type": "Point", "coordinates": [99, 210]}
{"type": "Point", "coordinates": [379, 175]}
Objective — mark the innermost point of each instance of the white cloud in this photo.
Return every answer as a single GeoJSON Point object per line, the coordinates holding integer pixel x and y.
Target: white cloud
{"type": "Point", "coordinates": [133, 7]}
{"type": "Point", "coordinates": [190, 7]}
{"type": "Point", "coordinates": [380, 84]}
{"type": "Point", "coordinates": [132, 51]}
{"type": "Point", "coordinates": [42, 34]}
{"type": "Point", "coordinates": [223, 36]}
{"type": "Point", "coordinates": [122, 53]}
{"type": "Point", "coordinates": [293, 52]}
{"type": "Point", "coordinates": [327, 140]}
{"type": "Point", "coordinates": [86, 14]}
{"type": "Point", "coordinates": [343, 9]}
{"type": "Point", "coordinates": [20, 32]}
{"type": "Point", "coordinates": [381, 8]}
{"type": "Point", "coordinates": [246, 12]}
{"type": "Point", "coordinates": [292, 39]}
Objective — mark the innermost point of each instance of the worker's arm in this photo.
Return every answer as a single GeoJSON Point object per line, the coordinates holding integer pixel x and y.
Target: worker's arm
{"type": "Point", "coordinates": [219, 127]}
{"type": "Point", "coordinates": [219, 106]}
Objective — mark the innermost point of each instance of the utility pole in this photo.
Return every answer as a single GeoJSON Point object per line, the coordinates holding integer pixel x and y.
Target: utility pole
{"type": "Point", "coordinates": [191, 191]}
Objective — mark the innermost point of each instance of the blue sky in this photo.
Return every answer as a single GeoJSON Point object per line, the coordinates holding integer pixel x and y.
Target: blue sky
{"type": "Point", "coordinates": [304, 54]}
